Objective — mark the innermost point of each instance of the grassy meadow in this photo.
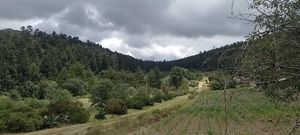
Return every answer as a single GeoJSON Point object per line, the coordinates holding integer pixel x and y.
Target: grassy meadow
{"type": "Point", "coordinates": [249, 112]}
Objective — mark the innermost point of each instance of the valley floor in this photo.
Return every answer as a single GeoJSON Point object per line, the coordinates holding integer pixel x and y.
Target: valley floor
{"type": "Point", "coordinates": [244, 111]}
{"type": "Point", "coordinates": [82, 128]}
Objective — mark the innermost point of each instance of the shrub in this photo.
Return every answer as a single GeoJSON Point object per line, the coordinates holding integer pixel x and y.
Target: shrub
{"type": "Point", "coordinates": [100, 92]}
{"type": "Point", "coordinates": [41, 106]}
{"type": "Point", "coordinates": [176, 76]}
{"type": "Point", "coordinates": [119, 91]}
{"type": "Point", "coordinates": [215, 85]}
{"type": "Point", "coordinates": [17, 116]}
{"type": "Point", "coordinates": [101, 114]}
{"type": "Point", "coordinates": [116, 106]}
{"type": "Point", "coordinates": [131, 91]}
{"type": "Point", "coordinates": [50, 122]}
{"type": "Point", "coordinates": [77, 113]}
{"type": "Point", "coordinates": [157, 97]}
{"type": "Point", "coordinates": [167, 97]}
{"type": "Point", "coordinates": [2, 126]}
{"type": "Point", "coordinates": [15, 95]}
{"type": "Point", "coordinates": [184, 85]}
{"type": "Point", "coordinates": [73, 110]}
{"type": "Point", "coordinates": [136, 103]}
{"type": "Point", "coordinates": [19, 121]}
{"type": "Point", "coordinates": [173, 94]}
{"type": "Point", "coordinates": [144, 98]}
{"type": "Point", "coordinates": [80, 116]}
{"type": "Point", "coordinates": [62, 106]}
{"type": "Point", "coordinates": [75, 86]}
{"type": "Point", "coordinates": [232, 84]}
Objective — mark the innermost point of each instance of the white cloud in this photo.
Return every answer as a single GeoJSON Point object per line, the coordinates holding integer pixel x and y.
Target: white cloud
{"type": "Point", "coordinates": [168, 47]}
{"type": "Point", "coordinates": [16, 24]}
{"type": "Point", "coordinates": [113, 43]}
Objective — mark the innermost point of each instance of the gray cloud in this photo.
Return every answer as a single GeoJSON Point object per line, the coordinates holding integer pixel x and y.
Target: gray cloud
{"type": "Point", "coordinates": [27, 9]}
{"type": "Point", "coordinates": [174, 17]}
{"type": "Point", "coordinates": [148, 29]}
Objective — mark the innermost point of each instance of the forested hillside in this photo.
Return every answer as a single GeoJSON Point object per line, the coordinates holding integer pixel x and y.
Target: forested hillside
{"type": "Point", "coordinates": [225, 58]}
{"type": "Point", "coordinates": [45, 73]}
{"type": "Point", "coordinates": [33, 55]}
{"type": "Point", "coordinates": [52, 80]}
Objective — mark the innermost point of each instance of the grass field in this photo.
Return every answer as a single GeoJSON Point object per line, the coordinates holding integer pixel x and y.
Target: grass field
{"type": "Point", "coordinates": [249, 113]}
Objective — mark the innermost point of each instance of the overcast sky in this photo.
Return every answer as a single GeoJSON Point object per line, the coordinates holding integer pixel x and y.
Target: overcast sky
{"type": "Point", "coordinates": [146, 29]}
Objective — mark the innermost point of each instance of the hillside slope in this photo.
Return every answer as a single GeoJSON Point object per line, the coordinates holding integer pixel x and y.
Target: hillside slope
{"type": "Point", "coordinates": [35, 55]}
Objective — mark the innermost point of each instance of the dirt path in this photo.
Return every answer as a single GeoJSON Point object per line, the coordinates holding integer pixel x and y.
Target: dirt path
{"type": "Point", "coordinates": [203, 84]}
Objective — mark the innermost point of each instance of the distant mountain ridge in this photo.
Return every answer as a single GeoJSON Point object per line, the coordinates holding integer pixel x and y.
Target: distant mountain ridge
{"type": "Point", "coordinates": [62, 50]}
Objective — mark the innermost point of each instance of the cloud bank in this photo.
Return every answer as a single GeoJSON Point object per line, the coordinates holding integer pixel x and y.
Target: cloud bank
{"type": "Point", "coordinates": [146, 29]}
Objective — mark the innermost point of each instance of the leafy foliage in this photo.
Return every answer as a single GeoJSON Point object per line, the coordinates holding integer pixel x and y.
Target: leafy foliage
{"type": "Point", "coordinates": [273, 58]}
{"type": "Point", "coordinates": [101, 114]}
{"type": "Point", "coordinates": [100, 93]}
{"type": "Point", "coordinates": [27, 57]}
{"type": "Point", "coordinates": [154, 78]}
{"type": "Point", "coordinates": [116, 106]}
{"type": "Point", "coordinates": [20, 117]}
{"type": "Point", "coordinates": [176, 76]}
{"type": "Point", "coordinates": [42, 72]}
{"type": "Point", "coordinates": [75, 86]}
{"type": "Point", "coordinates": [215, 85]}
{"type": "Point", "coordinates": [136, 103]}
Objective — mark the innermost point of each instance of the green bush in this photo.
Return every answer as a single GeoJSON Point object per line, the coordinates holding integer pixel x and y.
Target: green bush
{"type": "Point", "coordinates": [80, 116]}
{"type": "Point", "coordinates": [23, 122]}
{"type": "Point", "coordinates": [73, 110]}
{"type": "Point", "coordinates": [116, 106]}
{"type": "Point", "coordinates": [16, 116]}
{"type": "Point", "coordinates": [232, 84]}
{"type": "Point", "coordinates": [62, 105]}
{"type": "Point", "coordinates": [75, 86]}
{"type": "Point", "coordinates": [15, 95]}
{"type": "Point", "coordinates": [215, 85]}
{"type": "Point", "coordinates": [77, 113]}
{"type": "Point", "coordinates": [101, 114]}
{"type": "Point", "coordinates": [157, 97]}
{"type": "Point", "coordinates": [184, 84]}
{"type": "Point", "coordinates": [146, 99]}
{"type": "Point", "coordinates": [100, 92]}
{"type": "Point", "coordinates": [173, 94]}
{"type": "Point", "coordinates": [41, 106]}
{"type": "Point", "coordinates": [136, 103]}
{"type": "Point", "coordinates": [119, 91]}
{"type": "Point", "coordinates": [167, 97]}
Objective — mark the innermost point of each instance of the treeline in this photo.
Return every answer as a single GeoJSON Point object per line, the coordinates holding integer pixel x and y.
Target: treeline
{"type": "Point", "coordinates": [31, 55]}
{"type": "Point", "coordinates": [41, 76]}
{"type": "Point", "coordinates": [51, 103]}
